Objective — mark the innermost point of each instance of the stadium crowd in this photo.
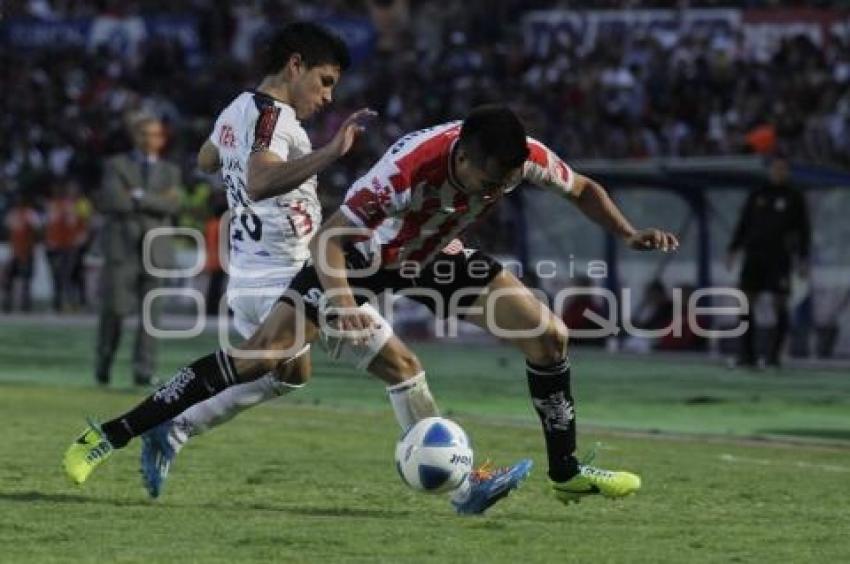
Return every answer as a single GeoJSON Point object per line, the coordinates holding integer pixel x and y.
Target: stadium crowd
{"type": "Point", "coordinates": [636, 95]}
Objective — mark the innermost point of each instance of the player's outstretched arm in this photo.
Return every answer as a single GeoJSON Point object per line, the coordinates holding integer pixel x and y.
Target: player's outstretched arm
{"type": "Point", "coordinates": [268, 175]}
{"type": "Point", "coordinates": [329, 260]}
{"type": "Point", "coordinates": [594, 202]}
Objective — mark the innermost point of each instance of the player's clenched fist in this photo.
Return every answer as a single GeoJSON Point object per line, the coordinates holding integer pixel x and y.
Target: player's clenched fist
{"type": "Point", "coordinates": [653, 240]}
{"type": "Point", "coordinates": [346, 321]}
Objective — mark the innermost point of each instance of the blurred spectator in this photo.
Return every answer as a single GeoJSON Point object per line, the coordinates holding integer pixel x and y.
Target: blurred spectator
{"type": "Point", "coordinates": [773, 233]}
{"type": "Point", "coordinates": [762, 139]}
{"type": "Point", "coordinates": [82, 240]}
{"type": "Point", "coordinates": [23, 225]}
{"type": "Point", "coordinates": [60, 238]}
{"type": "Point", "coordinates": [195, 208]}
{"type": "Point", "coordinates": [140, 192]}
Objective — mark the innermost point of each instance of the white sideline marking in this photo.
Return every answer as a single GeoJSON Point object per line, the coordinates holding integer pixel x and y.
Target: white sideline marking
{"type": "Point", "coordinates": [798, 464]}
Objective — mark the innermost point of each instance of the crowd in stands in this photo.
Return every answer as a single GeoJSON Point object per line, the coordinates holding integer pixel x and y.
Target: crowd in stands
{"type": "Point", "coordinates": [633, 96]}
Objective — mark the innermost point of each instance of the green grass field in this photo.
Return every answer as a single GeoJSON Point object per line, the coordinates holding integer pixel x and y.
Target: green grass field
{"type": "Point", "coordinates": [310, 478]}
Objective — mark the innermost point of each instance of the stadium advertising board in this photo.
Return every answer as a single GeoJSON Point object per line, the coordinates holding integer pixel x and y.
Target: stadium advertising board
{"type": "Point", "coordinates": [120, 35]}
{"type": "Point", "coordinates": [761, 29]}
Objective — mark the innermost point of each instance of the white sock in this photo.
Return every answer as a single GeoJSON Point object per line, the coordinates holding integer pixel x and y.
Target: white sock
{"type": "Point", "coordinates": [412, 401]}
{"type": "Point", "coordinates": [224, 406]}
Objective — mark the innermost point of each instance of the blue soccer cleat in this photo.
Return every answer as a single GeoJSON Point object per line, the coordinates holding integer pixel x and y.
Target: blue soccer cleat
{"type": "Point", "coordinates": [156, 459]}
{"type": "Point", "coordinates": [489, 486]}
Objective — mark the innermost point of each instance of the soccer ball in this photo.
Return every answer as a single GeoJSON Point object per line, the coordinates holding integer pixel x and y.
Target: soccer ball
{"type": "Point", "coordinates": [434, 455]}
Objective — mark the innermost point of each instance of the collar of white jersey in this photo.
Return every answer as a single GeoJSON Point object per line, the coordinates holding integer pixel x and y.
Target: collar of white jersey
{"type": "Point", "coordinates": [287, 109]}
{"type": "Point", "coordinates": [290, 111]}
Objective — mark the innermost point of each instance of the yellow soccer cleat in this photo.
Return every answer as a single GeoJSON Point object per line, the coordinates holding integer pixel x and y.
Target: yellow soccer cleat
{"type": "Point", "coordinates": [595, 481]}
{"type": "Point", "coordinates": [86, 453]}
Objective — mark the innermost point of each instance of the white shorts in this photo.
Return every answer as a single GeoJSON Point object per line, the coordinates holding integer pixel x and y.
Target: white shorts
{"type": "Point", "coordinates": [250, 308]}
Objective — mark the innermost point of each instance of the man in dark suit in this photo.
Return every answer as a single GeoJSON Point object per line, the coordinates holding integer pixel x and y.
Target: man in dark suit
{"type": "Point", "coordinates": [140, 191]}
{"type": "Point", "coordinates": [774, 233]}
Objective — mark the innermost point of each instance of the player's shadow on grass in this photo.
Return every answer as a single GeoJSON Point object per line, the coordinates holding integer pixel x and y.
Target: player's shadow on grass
{"type": "Point", "coordinates": [32, 496]}
{"type": "Point", "coordinates": [833, 434]}
{"type": "Point", "coordinates": [357, 512]}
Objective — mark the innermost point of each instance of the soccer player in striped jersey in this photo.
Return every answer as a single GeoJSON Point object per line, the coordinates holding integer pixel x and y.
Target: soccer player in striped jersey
{"type": "Point", "coordinates": [391, 235]}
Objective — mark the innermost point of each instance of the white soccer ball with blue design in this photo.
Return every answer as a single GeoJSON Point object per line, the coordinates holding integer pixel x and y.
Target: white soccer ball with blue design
{"type": "Point", "coordinates": [434, 455]}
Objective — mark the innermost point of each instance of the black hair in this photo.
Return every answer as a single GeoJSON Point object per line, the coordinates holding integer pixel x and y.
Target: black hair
{"type": "Point", "coordinates": [315, 44]}
{"type": "Point", "coordinates": [494, 132]}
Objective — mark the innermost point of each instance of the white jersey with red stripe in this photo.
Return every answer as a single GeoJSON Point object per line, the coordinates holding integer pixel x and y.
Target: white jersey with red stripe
{"type": "Point", "coordinates": [269, 238]}
{"type": "Point", "coordinates": [415, 206]}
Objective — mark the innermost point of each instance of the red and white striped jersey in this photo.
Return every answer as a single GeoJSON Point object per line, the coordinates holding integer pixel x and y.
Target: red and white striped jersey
{"type": "Point", "coordinates": [413, 203]}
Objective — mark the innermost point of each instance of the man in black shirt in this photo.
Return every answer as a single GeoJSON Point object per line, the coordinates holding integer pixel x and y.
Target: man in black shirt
{"type": "Point", "coordinates": [773, 233]}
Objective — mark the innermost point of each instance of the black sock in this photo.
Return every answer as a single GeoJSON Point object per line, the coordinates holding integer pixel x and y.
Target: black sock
{"type": "Point", "coordinates": [553, 401]}
{"type": "Point", "coordinates": [192, 384]}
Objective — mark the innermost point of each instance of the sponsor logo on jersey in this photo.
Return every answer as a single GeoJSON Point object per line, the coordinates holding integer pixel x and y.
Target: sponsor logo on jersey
{"type": "Point", "coordinates": [382, 192]}
{"type": "Point", "coordinates": [227, 137]}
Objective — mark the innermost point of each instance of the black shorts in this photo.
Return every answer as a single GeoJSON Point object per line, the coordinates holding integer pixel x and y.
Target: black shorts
{"type": "Point", "coordinates": [766, 273]}
{"type": "Point", "coordinates": [449, 283]}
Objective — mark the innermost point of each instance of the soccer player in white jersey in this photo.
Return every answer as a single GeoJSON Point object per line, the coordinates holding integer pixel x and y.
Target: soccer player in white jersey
{"type": "Point", "coordinates": [390, 235]}
{"type": "Point", "coordinates": [273, 218]}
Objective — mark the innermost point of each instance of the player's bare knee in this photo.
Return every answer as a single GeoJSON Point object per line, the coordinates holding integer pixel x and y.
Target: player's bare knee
{"type": "Point", "coordinates": [262, 365]}
{"type": "Point", "coordinates": [395, 365]}
{"type": "Point", "coordinates": [250, 368]}
{"type": "Point", "coordinates": [291, 372]}
{"type": "Point", "coordinates": [551, 346]}
{"type": "Point", "coordinates": [264, 353]}
{"type": "Point", "coordinates": [284, 343]}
